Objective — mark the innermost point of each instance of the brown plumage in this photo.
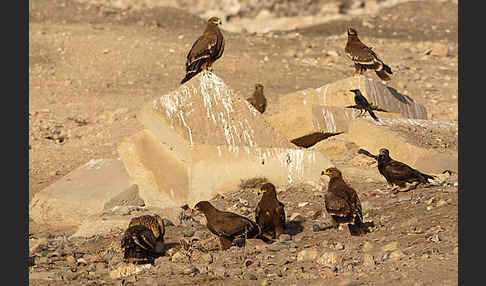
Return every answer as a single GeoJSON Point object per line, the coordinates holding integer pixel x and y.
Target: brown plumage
{"type": "Point", "coordinates": [395, 172]}
{"type": "Point", "coordinates": [342, 202]}
{"type": "Point", "coordinates": [270, 213]}
{"type": "Point", "coordinates": [258, 100]}
{"type": "Point", "coordinates": [206, 50]}
{"type": "Point", "coordinates": [227, 226]}
{"type": "Point", "coordinates": [144, 238]}
{"type": "Point", "coordinates": [364, 57]}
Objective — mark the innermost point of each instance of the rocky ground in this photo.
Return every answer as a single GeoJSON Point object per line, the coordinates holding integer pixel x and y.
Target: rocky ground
{"type": "Point", "coordinates": [92, 67]}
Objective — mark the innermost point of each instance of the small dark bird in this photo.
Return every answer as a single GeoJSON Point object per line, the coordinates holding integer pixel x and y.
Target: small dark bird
{"type": "Point", "coordinates": [362, 104]}
{"type": "Point", "coordinates": [227, 226]}
{"type": "Point", "coordinates": [342, 202]}
{"type": "Point", "coordinates": [258, 100]}
{"type": "Point", "coordinates": [364, 57]}
{"type": "Point", "coordinates": [144, 238]}
{"type": "Point", "coordinates": [395, 172]}
{"type": "Point", "coordinates": [270, 213]}
{"type": "Point", "coordinates": [206, 50]}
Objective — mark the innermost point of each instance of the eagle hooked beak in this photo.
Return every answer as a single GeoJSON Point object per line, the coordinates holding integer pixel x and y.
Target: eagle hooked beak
{"type": "Point", "coordinates": [195, 208]}
{"type": "Point", "coordinates": [260, 192]}
{"type": "Point", "coordinates": [324, 173]}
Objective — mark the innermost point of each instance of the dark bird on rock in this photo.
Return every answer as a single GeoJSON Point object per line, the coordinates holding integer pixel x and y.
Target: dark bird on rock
{"type": "Point", "coordinates": [362, 104]}
{"type": "Point", "coordinates": [205, 51]}
{"type": "Point", "coordinates": [227, 226]}
{"type": "Point", "coordinates": [144, 238]}
{"type": "Point", "coordinates": [270, 213]}
{"type": "Point", "coordinates": [364, 57]}
{"type": "Point", "coordinates": [397, 173]}
{"type": "Point", "coordinates": [258, 100]}
{"type": "Point", "coordinates": [342, 202]}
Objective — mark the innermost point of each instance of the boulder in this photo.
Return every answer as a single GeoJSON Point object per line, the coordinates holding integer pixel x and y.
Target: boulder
{"type": "Point", "coordinates": [202, 139]}
{"type": "Point", "coordinates": [324, 109]}
{"type": "Point", "coordinates": [79, 194]}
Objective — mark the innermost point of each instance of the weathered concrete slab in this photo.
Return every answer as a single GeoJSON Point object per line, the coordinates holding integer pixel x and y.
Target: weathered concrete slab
{"type": "Point", "coordinates": [298, 117]}
{"type": "Point", "coordinates": [79, 194]}
{"type": "Point", "coordinates": [338, 94]}
{"type": "Point", "coordinates": [167, 181]}
{"type": "Point", "coordinates": [402, 147]}
{"type": "Point", "coordinates": [203, 139]}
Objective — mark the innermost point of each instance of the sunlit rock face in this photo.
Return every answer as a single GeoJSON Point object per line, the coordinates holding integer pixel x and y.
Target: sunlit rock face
{"type": "Point", "coordinates": [203, 139]}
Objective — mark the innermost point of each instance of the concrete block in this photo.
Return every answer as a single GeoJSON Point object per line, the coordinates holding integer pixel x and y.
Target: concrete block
{"type": "Point", "coordinates": [203, 139]}
{"type": "Point", "coordinates": [79, 194]}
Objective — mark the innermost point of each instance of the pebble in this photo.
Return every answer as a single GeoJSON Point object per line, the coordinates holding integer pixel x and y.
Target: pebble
{"type": "Point", "coordinates": [368, 246]}
{"type": "Point", "coordinates": [396, 255]}
{"type": "Point", "coordinates": [178, 257]}
{"type": "Point", "coordinates": [207, 257]}
{"type": "Point", "coordinates": [249, 276]}
{"type": "Point", "coordinates": [390, 246]}
{"type": "Point", "coordinates": [297, 217]}
{"type": "Point", "coordinates": [285, 237]}
{"type": "Point", "coordinates": [332, 53]}
{"type": "Point", "coordinates": [330, 258]}
{"type": "Point", "coordinates": [307, 255]}
{"type": "Point", "coordinates": [219, 271]}
{"type": "Point", "coordinates": [190, 270]}
{"type": "Point", "coordinates": [368, 260]}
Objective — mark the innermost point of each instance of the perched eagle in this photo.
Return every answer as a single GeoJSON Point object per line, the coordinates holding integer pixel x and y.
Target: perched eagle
{"type": "Point", "coordinates": [258, 100]}
{"type": "Point", "coordinates": [395, 172]}
{"type": "Point", "coordinates": [270, 213]}
{"type": "Point", "coordinates": [205, 51]}
{"type": "Point", "coordinates": [227, 226]}
{"type": "Point", "coordinates": [144, 238]}
{"type": "Point", "coordinates": [364, 57]}
{"type": "Point", "coordinates": [342, 202]}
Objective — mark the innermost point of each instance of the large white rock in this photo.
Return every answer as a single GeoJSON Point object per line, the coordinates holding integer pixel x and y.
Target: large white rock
{"type": "Point", "coordinates": [202, 139]}
{"type": "Point", "coordinates": [79, 194]}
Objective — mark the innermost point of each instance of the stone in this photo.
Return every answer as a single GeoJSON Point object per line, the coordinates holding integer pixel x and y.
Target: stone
{"type": "Point", "coordinates": [249, 276]}
{"type": "Point", "coordinates": [396, 255]}
{"type": "Point", "coordinates": [285, 237]}
{"type": "Point", "coordinates": [307, 255]}
{"type": "Point", "coordinates": [330, 259]}
{"type": "Point", "coordinates": [219, 271]}
{"type": "Point", "coordinates": [390, 246]}
{"type": "Point", "coordinates": [368, 260]}
{"type": "Point", "coordinates": [79, 194]}
{"type": "Point", "coordinates": [178, 257]}
{"type": "Point", "coordinates": [203, 139]}
{"type": "Point", "coordinates": [296, 217]}
{"type": "Point", "coordinates": [125, 270]}
{"type": "Point", "coordinates": [128, 197]}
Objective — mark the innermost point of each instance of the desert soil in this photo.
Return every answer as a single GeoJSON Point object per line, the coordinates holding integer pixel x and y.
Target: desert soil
{"type": "Point", "coordinates": [91, 68]}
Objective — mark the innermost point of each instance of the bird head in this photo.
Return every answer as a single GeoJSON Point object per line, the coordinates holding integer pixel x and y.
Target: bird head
{"type": "Point", "coordinates": [352, 32]}
{"type": "Point", "coordinates": [384, 152]}
{"type": "Point", "coordinates": [331, 172]}
{"type": "Point", "coordinates": [215, 21]}
{"type": "Point", "coordinates": [355, 91]}
{"type": "Point", "coordinates": [268, 187]}
{"type": "Point", "coordinates": [258, 86]}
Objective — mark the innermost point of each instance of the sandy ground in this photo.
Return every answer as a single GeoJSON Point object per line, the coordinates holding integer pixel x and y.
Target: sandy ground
{"type": "Point", "coordinates": [91, 69]}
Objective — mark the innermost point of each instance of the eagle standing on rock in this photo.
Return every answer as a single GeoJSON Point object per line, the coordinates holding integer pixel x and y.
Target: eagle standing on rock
{"type": "Point", "coordinates": [364, 57]}
{"type": "Point", "coordinates": [362, 104]}
{"type": "Point", "coordinates": [144, 238]}
{"type": "Point", "coordinates": [342, 202]}
{"type": "Point", "coordinates": [395, 172]}
{"type": "Point", "coordinates": [205, 51]}
{"type": "Point", "coordinates": [258, 100]}
{"type": "Point", "coordinates": [270, 213]}
{"type": "Point", "coordinates": [227, 226]}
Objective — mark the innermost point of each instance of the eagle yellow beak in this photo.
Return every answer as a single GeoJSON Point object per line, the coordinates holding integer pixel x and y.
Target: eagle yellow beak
{"type": "Point", "coordinates": [195, 208]}
{"type": "Point", "coordinates": [324, 173]}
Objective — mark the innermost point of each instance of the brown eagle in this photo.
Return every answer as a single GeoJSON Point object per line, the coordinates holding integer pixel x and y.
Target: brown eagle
{"type": "Point", "coordinates": [227, 226]}
{"type": "Point", "coordinates": [342, 201]}
{"type": "Point", "coordinates": [364, 57]}
{"type": "Point", "coordinates": [206, 50]}
{"type": "Point", "coordinates": [395, 172]}
{"type": "Point", "coordinates": [143, 239]}
{"type": "Point", "coordinates": [270, 213]}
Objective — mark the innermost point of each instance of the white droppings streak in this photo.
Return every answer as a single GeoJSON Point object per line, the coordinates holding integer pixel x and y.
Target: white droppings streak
{"type": "Point", "coordinates": [329, 119]}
